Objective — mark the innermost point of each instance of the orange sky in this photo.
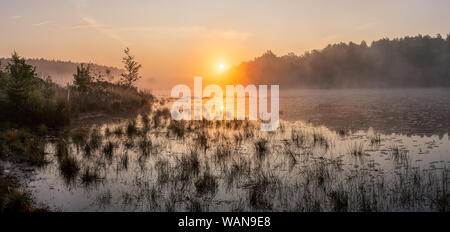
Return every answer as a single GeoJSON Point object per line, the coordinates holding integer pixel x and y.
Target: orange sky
{"type": "Point", "coordinates": [175, 40]}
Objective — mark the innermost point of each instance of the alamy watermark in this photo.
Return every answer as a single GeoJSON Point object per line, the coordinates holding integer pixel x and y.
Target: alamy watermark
{"type": "Point", "coordinates": [215, 109]}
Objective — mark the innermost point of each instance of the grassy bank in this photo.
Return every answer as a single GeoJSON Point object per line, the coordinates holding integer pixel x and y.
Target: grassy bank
{"type": "Point", "coordinates": [35, 110]}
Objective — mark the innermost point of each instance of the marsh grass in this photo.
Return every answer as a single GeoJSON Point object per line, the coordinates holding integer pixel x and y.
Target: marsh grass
{"type": "Point", "coordinates": [163, 168]}
{"type": "Point", "coordinates": [260, 189]}
{"type": "Point", "coordinates": [108, 132]}
{"type": "Point", "coordinates": [261, 148]}
{"type": "Point", "coordinates": [238, 138]}
{"type": "Point", "coordinates": [206, 184]}
{"type": "Point", "coordinates": [124, 161]}
{"type": "Point", "coordinates": [442, 197]}
{"type": "Point", "coordinates": [160, 116]}
{"type": "Point", "coordinates": [223, 153]}
{"type": "Point", "coordinates": [95, 139]}
{"type": "Point", "coordinates": [108, 149]}
{"type": "Point", "coordinates": [69, 167]}
{"type": "Point", "coordinates": [202, 140]}
{"type": "Point", "coordinates": [131, 128]}
{"type": "Point", "coordinates": [24, 147]}
{"type": "Point", "coordinates": [188, 165]}
{"type": "Point", "coordinates": [79, 136]}
{"type": "Point", "coordinates": [399, 155]}
{"type": "Point", "coordinates": [13, 200]}
{"type": "Point", "coordinates": [128, 143]}
{"type": "Point", "coordinates": [145, 146]}
{"type": "Point", "coordinates": [118, 132]}
{"type": "Point", "coordinates": [177, 128]}
{"type": "Point", "coordinates": [291, 157]}
{"type": "Point", "coordinates": [201, 161]}
{"type": "Point", "coordinates": [357, 149]}
{"type": "Point", "coordinates": [375, 140]}
{"type": "Point", "coordinates": [62, 147]}
{"type": "Point", "coordinates": [35, 151]}
{"type": "Point", "coordinates": [299, 138]}
{"type": "Point", "coordinates": [104, 199]}
{"type": "Point", "coordinates": [320, 140]}
{"type": "Point", "coordinates": [169, 204]}
{"type": "Point", "coordinates": [339, 199]}
{"type": "Point", "coordinates": [87, 150]}
{"type": "Point", "coordinates": [90, 176]}
{"type": "Point", "coordinates": [343, 132]}
{"type": "Point", "coordinates": [145, 120]}
{"type": "Point", "coordinates": [238, 169]}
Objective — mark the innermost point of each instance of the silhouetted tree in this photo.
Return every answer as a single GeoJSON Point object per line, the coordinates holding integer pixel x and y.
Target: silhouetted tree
{"type": "Point", "coordinates": [132, 69]}
{"type": "Point", "coordinates": [21, 83]}
{"type": "Point", "coordinates": [83, 78]}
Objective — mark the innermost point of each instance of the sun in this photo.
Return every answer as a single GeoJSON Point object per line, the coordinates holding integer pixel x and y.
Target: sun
{"type": "Point", "coordinates": [221, 67]}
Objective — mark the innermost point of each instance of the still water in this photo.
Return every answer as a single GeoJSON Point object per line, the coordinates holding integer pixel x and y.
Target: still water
{"type": "Point", "coordinates": [362, 135]}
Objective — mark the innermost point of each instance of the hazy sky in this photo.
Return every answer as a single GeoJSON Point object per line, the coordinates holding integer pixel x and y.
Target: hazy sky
{"type": "Point", "coordinates": [179, 39]}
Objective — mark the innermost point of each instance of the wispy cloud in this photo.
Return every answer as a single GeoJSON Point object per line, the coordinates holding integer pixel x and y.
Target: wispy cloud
{"type": "Point", "coordinates": [16, 17]}
{"type": "Point", "coordinates": [226, 34]}
{"type": "Point", "coordinates": [87, 25]}
{"type": "Point", "coordinates": [92, 23]}
{"type": "Point", "coordinates": [42, 23]}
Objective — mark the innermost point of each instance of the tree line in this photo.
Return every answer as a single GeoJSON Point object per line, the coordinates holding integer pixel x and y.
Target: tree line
{"type": "Point", "coordinates": [419, 61]}
{"type": "Point", "coordinates": [30, 101]}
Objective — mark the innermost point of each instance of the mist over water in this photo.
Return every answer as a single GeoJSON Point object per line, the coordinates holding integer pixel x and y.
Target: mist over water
{"type": "Point", "coordinates": [422, 111]}
{"type": "Point", "coordinates": [411, 111]}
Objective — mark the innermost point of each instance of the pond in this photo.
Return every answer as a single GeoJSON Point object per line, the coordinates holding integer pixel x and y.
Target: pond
{"type": "Point", "coordinates": [335, 150]}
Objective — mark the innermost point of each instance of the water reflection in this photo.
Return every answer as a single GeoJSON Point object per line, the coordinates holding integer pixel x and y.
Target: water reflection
{"type": "Point", "coordinates": [216, 166]}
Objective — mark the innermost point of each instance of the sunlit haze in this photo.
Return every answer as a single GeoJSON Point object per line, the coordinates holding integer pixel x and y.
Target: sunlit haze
{"type": "Point", "coordinates": [243, 108]}
{"type": "Point", "coordinates": [176, 40]}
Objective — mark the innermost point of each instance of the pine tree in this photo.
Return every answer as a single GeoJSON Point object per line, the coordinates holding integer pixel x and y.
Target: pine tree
{"type": "Point", "coordinates": [132, 67]}
{"type": "Point", "coordinates": [22, 82]}
{"type": "Point", "coordinates": [83, 78]}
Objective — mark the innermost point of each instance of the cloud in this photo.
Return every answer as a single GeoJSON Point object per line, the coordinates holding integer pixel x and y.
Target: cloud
{"type": "Point", "coordinates": [16, 17]}
{"type": "Point", "coordinates": [87, 25]}
{"type": "Point", "coordinates": [196, 31]}
{"type": "Point", "coordinates": [42, 23]}
{"type": "Point", "coordinates": [92, 23]}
